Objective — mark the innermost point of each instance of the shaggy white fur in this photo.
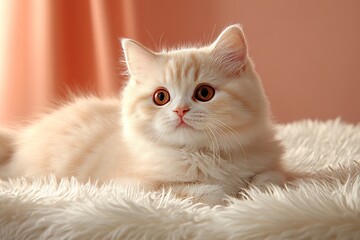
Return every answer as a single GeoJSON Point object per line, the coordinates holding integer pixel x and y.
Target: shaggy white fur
{"type": "Point", "coordinates": [326, 206]}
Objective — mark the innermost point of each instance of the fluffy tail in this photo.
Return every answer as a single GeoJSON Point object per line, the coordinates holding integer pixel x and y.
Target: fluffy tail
{"type": "Point", "coordinates": [7, 139]}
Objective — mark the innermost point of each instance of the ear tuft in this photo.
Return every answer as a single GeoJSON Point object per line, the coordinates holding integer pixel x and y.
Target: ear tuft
{"type": "Point", "coordinates": [230, 50]}
{"type": "Point", "coordinates": [140, 61]}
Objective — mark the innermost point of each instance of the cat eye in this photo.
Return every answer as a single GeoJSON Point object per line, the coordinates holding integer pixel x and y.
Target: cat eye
{"type": "Point", "coordinates": [161, 97]}
{"type": "Point", "coordinates": [204, 93]}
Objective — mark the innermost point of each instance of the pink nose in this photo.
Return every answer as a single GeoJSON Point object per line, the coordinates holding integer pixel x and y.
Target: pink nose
{"type": "Point", "coordinates": [181, 111]}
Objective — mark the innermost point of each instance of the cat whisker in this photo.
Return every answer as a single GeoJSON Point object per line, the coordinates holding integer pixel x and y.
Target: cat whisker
{"type": "Point", "coordinates": [232, 131]}
{"type": "Point", "coordinates": [146, 130]}
{"type": "Point", "coordinates": [161, 134]}
{"type": "Point", "coordinates": [151, 137]}
{"type": "Point", "coordinates": [216, 151]}
{"type": "Point", "coordinates": [146, 133]}
{"type": "Point", "coordinates": [225, 137]}
{"type": "Point", "coordinates": [212, 147]}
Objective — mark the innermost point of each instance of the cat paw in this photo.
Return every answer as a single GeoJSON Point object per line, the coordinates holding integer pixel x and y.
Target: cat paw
{"type": "Point", "coordinates": [202, 193]}
{"type": "Point", "coordinates": [210, 194]}
{"type": "Point", "coordinates": [264, 179]}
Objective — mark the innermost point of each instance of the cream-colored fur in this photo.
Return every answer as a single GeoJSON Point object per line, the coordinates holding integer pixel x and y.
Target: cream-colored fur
{"type": "Point", "coordinates": [227, 143]}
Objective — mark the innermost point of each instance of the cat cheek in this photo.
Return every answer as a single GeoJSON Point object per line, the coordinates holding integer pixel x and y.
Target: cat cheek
{"type": "Point", "coordinates": [159, 121]}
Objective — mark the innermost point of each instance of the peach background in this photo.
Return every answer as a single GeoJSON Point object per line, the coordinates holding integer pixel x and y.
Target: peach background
{"type": "Point", "coordinates": [306, 51]}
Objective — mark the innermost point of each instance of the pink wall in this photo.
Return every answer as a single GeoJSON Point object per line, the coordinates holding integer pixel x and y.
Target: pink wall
{"type": "Point", "coordinates": [306, 51]}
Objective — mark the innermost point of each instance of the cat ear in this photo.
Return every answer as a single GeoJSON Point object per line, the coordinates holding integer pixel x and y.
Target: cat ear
{"type": "Point", "coordinates": [230, 50]}
{"type": "Point", "coordinates": [140, 61]}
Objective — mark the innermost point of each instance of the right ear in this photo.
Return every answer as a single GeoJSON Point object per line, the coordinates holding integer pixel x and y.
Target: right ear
{"type": "Point", "coordinates": [140, 61]}
{"type": "Point", "coordinates": [230, 50]}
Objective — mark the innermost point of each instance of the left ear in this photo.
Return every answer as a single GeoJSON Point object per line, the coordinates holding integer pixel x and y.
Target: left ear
{"type": "Point", "coordinates": [140, 61]}
{"type": "Point", "coordinates": [230, 50]}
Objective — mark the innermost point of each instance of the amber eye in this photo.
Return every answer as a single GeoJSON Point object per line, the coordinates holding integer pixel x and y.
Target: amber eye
{"type": "Point", "coordinates": [204, 93]}
{"type": "Point", "coordinates": [161, 97]}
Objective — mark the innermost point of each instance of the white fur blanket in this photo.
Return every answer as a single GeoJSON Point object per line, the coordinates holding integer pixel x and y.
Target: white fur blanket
{"type": "Point", "coordinates": [324, 207]}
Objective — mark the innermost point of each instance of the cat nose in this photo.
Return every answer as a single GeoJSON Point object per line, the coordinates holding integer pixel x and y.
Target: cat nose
{"type": "Point", "coordinates": [181, 111]}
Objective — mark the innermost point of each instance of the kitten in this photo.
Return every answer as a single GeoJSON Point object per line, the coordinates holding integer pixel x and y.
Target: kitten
{"type": "Point", "coordinates": [194, 120]}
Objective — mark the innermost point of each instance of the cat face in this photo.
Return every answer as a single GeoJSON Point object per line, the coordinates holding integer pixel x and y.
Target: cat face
{"type": "Point", "coordinates": [196, 97]}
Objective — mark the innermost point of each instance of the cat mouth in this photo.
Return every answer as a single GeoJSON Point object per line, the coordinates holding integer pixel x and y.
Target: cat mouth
{"type": "Point", "coordinates": [183, 125]}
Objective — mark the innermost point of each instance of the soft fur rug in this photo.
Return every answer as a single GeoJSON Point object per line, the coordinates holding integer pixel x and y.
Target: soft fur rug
{"type": "Point", "coordinates": [326, 206]}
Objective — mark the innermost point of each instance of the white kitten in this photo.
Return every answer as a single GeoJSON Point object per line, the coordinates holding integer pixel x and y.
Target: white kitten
{"type": "Point", "coordinates": [195, 120]}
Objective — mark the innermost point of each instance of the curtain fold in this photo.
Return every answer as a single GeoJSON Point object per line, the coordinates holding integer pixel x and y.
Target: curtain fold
{"type": "Point", "coordinates": [51, 48]}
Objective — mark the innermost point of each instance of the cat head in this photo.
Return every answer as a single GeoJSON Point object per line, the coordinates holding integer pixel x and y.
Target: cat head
{"type": "Point", "coordinates": [193, 96]}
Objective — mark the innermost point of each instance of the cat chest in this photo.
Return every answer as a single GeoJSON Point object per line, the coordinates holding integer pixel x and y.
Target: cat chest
{"type": "Point", "coordinates": [182, 165]}
{"type": "Point", "coordinates": [204, 166]}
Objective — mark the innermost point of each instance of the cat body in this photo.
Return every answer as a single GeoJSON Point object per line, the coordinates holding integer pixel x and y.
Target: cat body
{"type": "Point", "coordinates": [194, 120]}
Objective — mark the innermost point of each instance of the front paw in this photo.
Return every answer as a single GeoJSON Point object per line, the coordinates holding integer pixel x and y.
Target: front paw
{"type": "Point", "coordinates": [211, 195]}
{"type": "Point", "coordinates": [202, 193]}
{"type": "Point", "coordinates": [264, 179]}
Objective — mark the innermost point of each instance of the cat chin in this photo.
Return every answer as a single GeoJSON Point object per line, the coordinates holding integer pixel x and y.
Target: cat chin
{"type": "Point", "coordinates": [185, 136]}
